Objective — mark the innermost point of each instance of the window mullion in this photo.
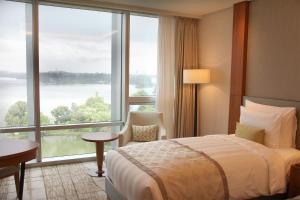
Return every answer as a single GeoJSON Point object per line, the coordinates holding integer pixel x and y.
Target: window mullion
{"type": "Point", "coordinates": [126, 49]}
{"type": "Point", "coordinates": [36, 77]}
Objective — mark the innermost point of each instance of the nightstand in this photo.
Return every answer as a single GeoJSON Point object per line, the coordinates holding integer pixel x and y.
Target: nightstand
{"type": "Point", "coordinates": [294, 184]}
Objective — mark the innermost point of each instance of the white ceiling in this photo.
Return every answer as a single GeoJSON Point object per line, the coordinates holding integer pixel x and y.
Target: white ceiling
{"type": "Point", "coordinates": [195, 8]}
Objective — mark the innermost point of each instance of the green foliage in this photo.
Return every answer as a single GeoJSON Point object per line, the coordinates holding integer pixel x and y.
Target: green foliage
{"type": "Point", "coordinates": [140, 93]}
{"type": "Point", "coordinates": [44, 119]}
{"type": "Point", "coordinates": [146, 108]}
{"type": "Point", "coordinates": [17, 114]}
{"type": "Point", "coordinates": [93, 110]}
{"type": "Point", "coordinates": [62, 114]}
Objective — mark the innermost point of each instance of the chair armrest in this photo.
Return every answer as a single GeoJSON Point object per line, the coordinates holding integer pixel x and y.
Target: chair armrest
{"type": "Point", "coordinates": [124, 136]}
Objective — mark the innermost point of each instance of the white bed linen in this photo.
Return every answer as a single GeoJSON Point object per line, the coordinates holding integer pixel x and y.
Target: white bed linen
{"type": "Point", "coordinates": [290, 156]}
{"type": "Point", "coordinates": [251, 169]}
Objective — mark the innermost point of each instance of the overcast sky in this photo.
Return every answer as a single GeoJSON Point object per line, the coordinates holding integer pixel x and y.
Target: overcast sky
{"type": "Point", "coordinates": [73, 40]}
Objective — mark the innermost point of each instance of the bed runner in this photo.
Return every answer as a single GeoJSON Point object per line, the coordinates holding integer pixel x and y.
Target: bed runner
{"type": "Point", "coordinates": [179, 171]}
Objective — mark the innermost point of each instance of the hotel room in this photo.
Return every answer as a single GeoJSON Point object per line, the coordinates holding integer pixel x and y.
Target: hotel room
{"type": "Point", "coordinates": [150, 100]}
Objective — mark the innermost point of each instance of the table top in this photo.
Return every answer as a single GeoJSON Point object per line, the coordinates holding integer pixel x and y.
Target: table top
{"type": "Point", "coordinates": [10, 148]}
{"type": "Point", "coordinates": [100, 137]}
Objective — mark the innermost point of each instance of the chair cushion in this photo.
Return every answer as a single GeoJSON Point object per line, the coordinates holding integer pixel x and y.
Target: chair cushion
{"type": "Point", "coordinates": [144, 133]}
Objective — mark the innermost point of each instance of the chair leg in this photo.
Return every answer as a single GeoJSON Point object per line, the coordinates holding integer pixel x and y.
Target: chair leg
{"type": "Point", "coordinates": [17, 183]}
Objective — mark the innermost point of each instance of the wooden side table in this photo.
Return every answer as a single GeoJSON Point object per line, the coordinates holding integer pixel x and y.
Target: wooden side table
{"type": "Point", "coordinates": [99, 138]}
{"type": "Point", "coordinates": [294, 184]}
{"type": "Point", "coordinates": [14, 152]}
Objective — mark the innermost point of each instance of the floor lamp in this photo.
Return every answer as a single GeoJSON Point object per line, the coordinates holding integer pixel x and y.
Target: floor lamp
{"type": "Point", "coordinates": [196, 76]}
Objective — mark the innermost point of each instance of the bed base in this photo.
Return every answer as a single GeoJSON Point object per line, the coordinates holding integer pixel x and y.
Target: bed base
{"type": "Point", "coordinates": [111, 191]}
{"type": "Point", "coordinates": [274, 197]}
{"type": "Point", "coordinates": [114, 194]}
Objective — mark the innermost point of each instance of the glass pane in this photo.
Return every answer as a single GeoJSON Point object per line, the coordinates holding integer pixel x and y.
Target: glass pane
{"type": "Point", "coordinates": [18, 135]}
{"type": "Point", "coordinates": [142, 108]}
{"type": "Point", "coordinates": [68, 142]}
{"type": "Point", "coordinates": [80, 65]}
{"type": "Point", "coordinates": [143, 55]}
{"type": "Point", "coordinates": [16, 83]}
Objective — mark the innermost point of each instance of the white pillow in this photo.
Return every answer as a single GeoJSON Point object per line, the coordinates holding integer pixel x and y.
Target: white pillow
{"type": "Point", "coordinates": [289, 121]}
{"type": "Point", "coordinates": [271, 123]}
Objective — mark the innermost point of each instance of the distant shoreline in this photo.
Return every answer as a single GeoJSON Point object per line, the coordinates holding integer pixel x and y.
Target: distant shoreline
{"type": "Point", "coordinates": [67, 78]}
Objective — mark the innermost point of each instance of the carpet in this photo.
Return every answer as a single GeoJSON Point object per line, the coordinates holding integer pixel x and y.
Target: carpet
{"type": "Point", "coordinates": [59, 182]}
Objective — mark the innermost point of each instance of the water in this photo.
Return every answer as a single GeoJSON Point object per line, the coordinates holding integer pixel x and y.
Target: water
{"type": "Point", "coordinates": [59, 142]}
{"type": "Point", "coordinates": [51, 96]}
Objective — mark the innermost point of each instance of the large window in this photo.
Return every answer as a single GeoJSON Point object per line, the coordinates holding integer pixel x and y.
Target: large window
{"type": "Point", "coordinates": [78, 60]}
{"type": "Point", "coordinates": [76, 67]}
{"type": "Point", "coordinates": [16, 83]}
{"type": "Point", "coordinates": [62, 70]}
{"type": "Point", "coordinates": [143, 62]}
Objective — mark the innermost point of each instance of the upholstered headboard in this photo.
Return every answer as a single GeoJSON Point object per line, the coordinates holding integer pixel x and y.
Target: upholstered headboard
{"type": "Point", "coordinates": [281, 103]}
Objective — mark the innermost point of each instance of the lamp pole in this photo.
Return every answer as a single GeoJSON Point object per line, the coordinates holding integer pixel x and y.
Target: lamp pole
{"type": "Point", "coordinates": [196, 76]}
{"type": "Point", "coordinates": [196, 111]}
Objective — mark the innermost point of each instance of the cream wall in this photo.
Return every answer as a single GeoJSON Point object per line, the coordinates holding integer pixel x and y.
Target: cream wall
{"type": "Point", "coordinates": [273, 68]}
{"type": "Point", "coordinates": [215, 54]}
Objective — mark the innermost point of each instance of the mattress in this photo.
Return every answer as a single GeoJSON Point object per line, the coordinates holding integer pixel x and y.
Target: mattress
{"type": "Point", "coordinates": [251, 169]}
{"type": "Point", "coordinates": [290, 156]}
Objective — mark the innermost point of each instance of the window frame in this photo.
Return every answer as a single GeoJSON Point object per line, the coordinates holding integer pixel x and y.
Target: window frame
{"type": "Point", "coordinates": [126, 100]}
{"type": "Point", "coordinates": [139, 100]}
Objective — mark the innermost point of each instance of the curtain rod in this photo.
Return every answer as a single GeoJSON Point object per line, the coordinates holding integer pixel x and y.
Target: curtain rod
{"type": "Point", "coordinates": [119, 7]}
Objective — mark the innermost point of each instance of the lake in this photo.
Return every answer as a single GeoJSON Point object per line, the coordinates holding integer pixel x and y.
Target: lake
{"type": "Point", "coordinates": [13, 90]}
{"type": "Point", "coordinates": [59, 142]}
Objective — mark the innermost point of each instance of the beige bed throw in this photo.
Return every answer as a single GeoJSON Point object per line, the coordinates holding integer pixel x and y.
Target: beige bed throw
{"type": "Point", "coordinates": [179, 171]}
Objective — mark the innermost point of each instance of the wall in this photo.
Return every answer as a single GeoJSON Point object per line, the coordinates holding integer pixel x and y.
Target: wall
{"type": "Point", "coordinates": [215, 54]}
{"type": "Point", "coordinates": [273, 68]}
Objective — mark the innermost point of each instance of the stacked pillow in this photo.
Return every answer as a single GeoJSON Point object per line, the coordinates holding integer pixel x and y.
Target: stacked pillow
{"type": "Point", "coordinates": [279, 123]}
{"type": "Point", "coordinates": [250, 133]}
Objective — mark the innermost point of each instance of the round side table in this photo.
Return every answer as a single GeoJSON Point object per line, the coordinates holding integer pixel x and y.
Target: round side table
{"type": "Point", "coordinates": [15, 152]}
{"type": "Point", "coordinates": [99, 138]}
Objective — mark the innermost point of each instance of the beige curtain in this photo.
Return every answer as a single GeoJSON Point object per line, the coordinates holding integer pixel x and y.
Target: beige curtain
{"type": "Point", "coordinates": [186, 54]}
{"type": "Point", "coordinates": [166, 72]}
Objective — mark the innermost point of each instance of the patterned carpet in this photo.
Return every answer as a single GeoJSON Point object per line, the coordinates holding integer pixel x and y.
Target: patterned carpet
{"type": "Point", "coordinates": [57, 182]}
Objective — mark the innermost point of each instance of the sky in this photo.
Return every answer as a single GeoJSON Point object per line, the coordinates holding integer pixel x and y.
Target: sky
{"type": "Point", "coordinates": [74, 40]}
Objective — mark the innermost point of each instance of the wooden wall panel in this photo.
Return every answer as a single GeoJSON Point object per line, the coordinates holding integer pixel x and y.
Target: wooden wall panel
{"type": "Point", "coordinates": [238, 62]}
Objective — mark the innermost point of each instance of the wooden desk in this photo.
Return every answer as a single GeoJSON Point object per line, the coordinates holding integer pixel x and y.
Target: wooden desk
{"type": "Point", "coordinates": [15, 152]}
{"type": "Point", "coordinates": [99, 138]}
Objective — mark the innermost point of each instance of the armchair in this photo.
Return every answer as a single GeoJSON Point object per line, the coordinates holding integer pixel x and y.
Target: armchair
{"type": "Point", "coordinates": [141, 119]}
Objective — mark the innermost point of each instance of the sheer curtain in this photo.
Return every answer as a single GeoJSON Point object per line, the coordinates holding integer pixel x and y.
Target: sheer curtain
{"type": "Point", "coordinates": [186, 45]}
{"type": "Point", "coordinates": [166, 71]}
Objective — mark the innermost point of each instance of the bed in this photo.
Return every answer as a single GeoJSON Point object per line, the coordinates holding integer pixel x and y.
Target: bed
{"type": "Point", "coordinates": [234, 168]}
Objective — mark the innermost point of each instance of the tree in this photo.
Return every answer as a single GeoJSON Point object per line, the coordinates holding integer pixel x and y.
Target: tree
{"type": "Point", "coordinates": [93, 110]}
{"type": "Point", "coordinates": [146, 108]}
{"type": "Point", "coordinates": [17, 115]}
{"type": "Point", "coordinates": [62, 114]}
{"type": "Point", "coordinates": [44, 119]}
{"type": "Point", "coordinates": [140, 93]}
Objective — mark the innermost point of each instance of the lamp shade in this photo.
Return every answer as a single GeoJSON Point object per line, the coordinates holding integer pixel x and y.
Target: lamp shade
{"type": "Point", "coordinates": [196, 76]}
